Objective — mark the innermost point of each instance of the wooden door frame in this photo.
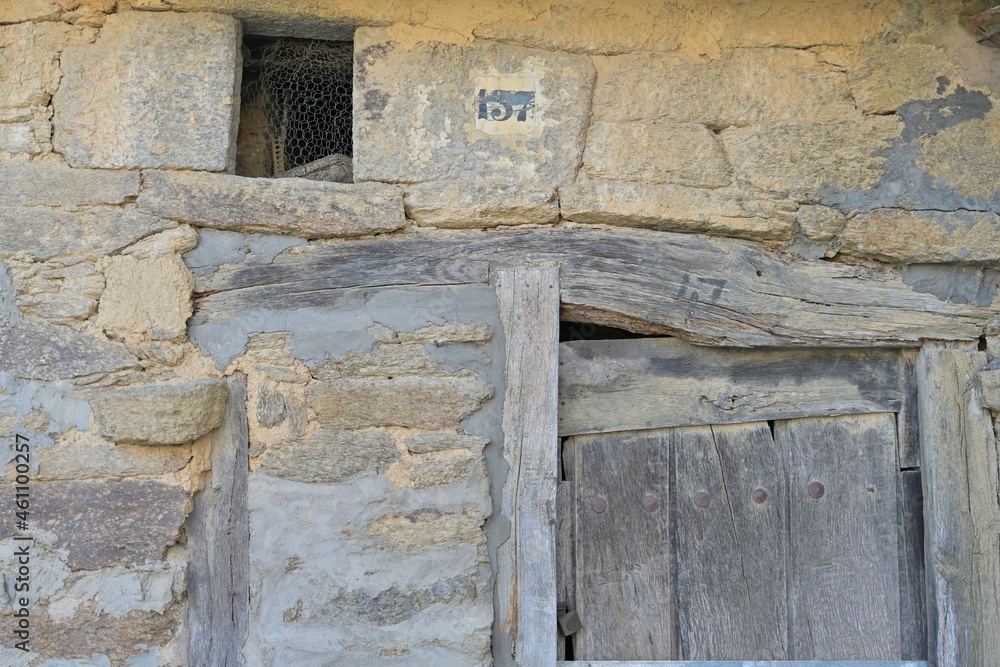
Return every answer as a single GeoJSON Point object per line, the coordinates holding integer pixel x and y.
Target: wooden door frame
{"type": "Point", "coordinates": [959, 467]}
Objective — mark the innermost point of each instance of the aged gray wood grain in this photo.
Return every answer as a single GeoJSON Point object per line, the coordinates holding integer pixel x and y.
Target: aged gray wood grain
{"type": "Point", "coordinates": [565, 588]}
{"type": "Point", "coordinates": [219, 544]}
{"type": "Point", "coordinates": [961, 510]}
{"type": "Point", "coordinates": [615, 385]}
{"type": "Point", "coordinates": [730, 551]}
{"type": "Point", "coordinates": [528, 299]}
{"type": "Point", "coordinates": [709, 290]}
{"type": "Point", "coordinates": [912, 591]}
{"type": "Point", "coordinates": [844, 583]}
{"type": "Point", "coordinates": [623, 551]}
{"type": "Point", "coordinates": [908, 417]}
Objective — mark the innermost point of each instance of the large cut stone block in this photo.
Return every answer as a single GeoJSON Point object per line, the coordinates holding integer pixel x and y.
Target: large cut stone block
{"type": "Point", "coordinates": [103, 522]}
{"type": "Point", "coordinates": [913, 237]}
{"type": "Point", "coordinates": [312, 209]}
{"type": "Point", "coordinates": [745, 86]}
{"type": "Point", "coordinates": [804, 159]}
{"type": "Point", "coordinates": [409, 402]}
{"type": "Point", "coordinates": [89, 232]}
{"type": "Point", "coordinates": [34, 349]}
{"type": "Point", "coordinates": [29, 60]}
{"type": "Point", "coordinates": [677, 208]}
{"type": "Point", "coordinates": [44, 184]}
{"type": "Point", "coordinates": [155, 90]}
{"type": "Point", "coordinates": [654, 152]}
{"type": "Point", "coordinates": [160, 414]}
{"type": "Point", "coordinates": [479, 204]}
{"type": "Point", "coordinates": [427, 110]}
{"type": "Point", "coordinates": [887, 76]}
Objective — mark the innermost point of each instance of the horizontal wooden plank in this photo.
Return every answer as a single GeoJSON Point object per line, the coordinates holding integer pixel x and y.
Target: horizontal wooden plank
{"type": "Point", "coordinates": [713, 291]}
{"type": "Point", "coordinates": [750, 663]}
{"type": "Point", "coordinates": [625, 385]}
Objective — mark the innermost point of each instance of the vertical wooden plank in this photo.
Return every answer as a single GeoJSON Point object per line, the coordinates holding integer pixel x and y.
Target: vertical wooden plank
{"type": "Point", "coordinates": [623, 563]}
{"type": "Point", "coordinates": [844, 596]}
{"type": "Point", "coordinates": [218, 532]}
{"type": "Point", "coordinates": [731, 585]}
{"type": "Point", "coordinates": [962, 515]}
{"type": "Point", "coordinates": [565, 519]}
{"type": "Point", "coordinates": [912, 597]}
{"type": "Point", "coordinates": [908, 417]}
{"type": "Point", "coordinates": [528, 299]}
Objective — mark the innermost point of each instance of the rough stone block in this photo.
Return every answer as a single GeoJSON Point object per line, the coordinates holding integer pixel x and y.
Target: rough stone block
{"type": "Point", "coordinates": [105, 523]}
{"type": "Point", "coordinates": [479, 204]}
{"type": "Point", "coordinates": [964, 156]}
{"type": "Point", "coordinates": [43, 184]}
{"type": "Point", "coordinates": [745, 86]}
{"type": "Point", "coordinates": [34, 349]}
{"type": "Point", "coordinates": [425, 528]}
{"type": "Point", "coordinates": [15, 11]}
{"type": "Point", "coordinates": [423, 471]}
{"type": "Point", "coordinates": [76, 456]}
{"type": "Point", "coordinates": [29, 60]}
{"type": "Point", "coordinates": [392, 360]}
{"type": "Point", "coordinates": [887, 76]}
{"type": "Point", "coordinates": [146, 298]}
{"type": "Point", "coordinates": [409, 402]}
{"type": "Point", "coordinates": [451, 332]}
{"type": "Point", "coordinates": [820, 223]}
{"type": "Point", "coordinates": [92, 232]}
{"type": "Point", "coordinates": [59, 292]}
{"type": "Point", "coordinates": [160, 414]}
{"type": "Point", "coordinates": [426, 111]}
{"type": "Point", "coordinates": [313, 209]}
{"type": "Point", "coordinates": [803, 159]}
{"type": "Point", "coordinates": [912, 237]}
{"type": "Point", "coordinates": [125, 640]}
{"type": "Point", "coordinates": [989, 383]}
{"type": "Point", "coordinates": [677, 208]}
{"type": "Point", "coordinates": [424, 443]}
{"type": "Point", "coordinates": [656, 152]}
{"type": "Point", "coordinates": [19, 138]}
{"type": "Point", "coordinates": [169, 89]}
{"type": "Point", "coordinates": [330, 456]}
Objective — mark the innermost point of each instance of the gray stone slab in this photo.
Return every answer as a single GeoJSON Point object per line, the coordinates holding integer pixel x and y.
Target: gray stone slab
{"type": "Point", "coordinates": [102, 523]}
{"type": "Point", "coordinates": [160, 414]}
{"type": "Point", "coordinates": [168, 86]}
{"type": "Point", "coordinates": [44, 233]}
{"type": "Point", "coordinates": [312, 209]}
{"type": "Point", "coordinates": [46, 184]}
{"type": "Point", "coordinates": [429, 110]}
{"type": "Point", "coordinates": [36, 350]}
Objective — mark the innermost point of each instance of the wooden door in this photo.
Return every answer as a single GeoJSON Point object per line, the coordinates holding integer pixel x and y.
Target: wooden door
{"type": "Point", "coordinates": [767, 507]}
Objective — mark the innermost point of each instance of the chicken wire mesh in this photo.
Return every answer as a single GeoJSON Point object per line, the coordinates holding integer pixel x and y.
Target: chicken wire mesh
{"type": "Point", "coordinates": [296, 109]}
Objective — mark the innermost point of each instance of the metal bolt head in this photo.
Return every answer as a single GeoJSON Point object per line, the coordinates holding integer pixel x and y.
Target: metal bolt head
{"type": "Point", "coordinates": [702, 499]}
{"type": "Point", "coordinates": [758, 495]}
{"type": "Point", "coordinates": [599, 504]}
{"type": "Point", "coordinates": [650, 502]}
{"type": "Point", "coordinates": [816, 489]}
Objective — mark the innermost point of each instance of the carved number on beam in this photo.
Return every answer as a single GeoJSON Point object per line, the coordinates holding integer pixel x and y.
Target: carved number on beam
{"type": "Point", "coordinates": [961, 510]}
{"type": "Point", "coordinates": [526, 578]}
{"type": "Point", "coordinates": [219, 540]}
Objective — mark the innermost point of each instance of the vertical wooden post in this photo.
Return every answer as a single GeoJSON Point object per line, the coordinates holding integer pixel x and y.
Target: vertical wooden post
{"type": "Point", "coordinates": [528, 298]}
{"type": "Point", "coordinates": [219, 544]}
{"type": "Point", "coordinates": [962, 513]}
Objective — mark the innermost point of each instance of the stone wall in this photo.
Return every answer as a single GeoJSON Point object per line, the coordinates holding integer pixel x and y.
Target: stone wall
{"type": "Point", "coordinates": [821, 131]}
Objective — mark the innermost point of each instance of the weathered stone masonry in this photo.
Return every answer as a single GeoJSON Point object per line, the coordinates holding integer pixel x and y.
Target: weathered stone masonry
{"type": "Point", "coordinates": [139, 278]}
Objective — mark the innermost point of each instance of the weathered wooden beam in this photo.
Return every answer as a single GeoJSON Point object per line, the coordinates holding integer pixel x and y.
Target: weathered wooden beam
{"type": "Point", "coordinates": [626, 385]}
{"type": "Point", "coordinates": [528, 299]}
{"type": "Point", "coordinates": [747, 663]}
{"type": "Point", "coordinates": [714, 291]}
{"type": "Point", "coordinates": [219, 543]}
{"type": "Point", "coordinates": [961, 510]}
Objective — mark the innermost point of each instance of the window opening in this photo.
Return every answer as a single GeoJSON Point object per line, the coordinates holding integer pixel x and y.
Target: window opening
{"type": "Point", "coordinates": [296, 114]}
